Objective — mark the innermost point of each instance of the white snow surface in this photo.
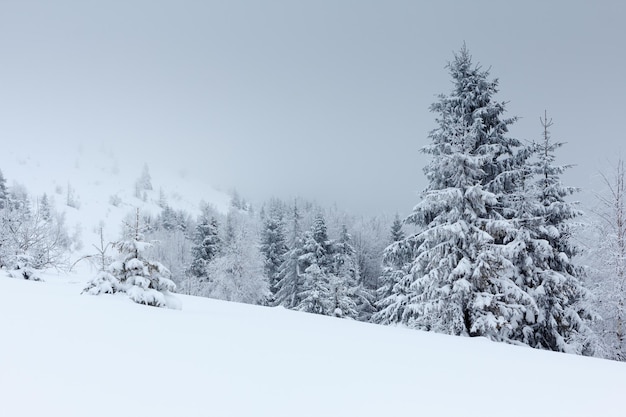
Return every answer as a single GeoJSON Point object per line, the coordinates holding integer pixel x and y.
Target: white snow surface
{"type": "Point", "coordinates": [66, 354]}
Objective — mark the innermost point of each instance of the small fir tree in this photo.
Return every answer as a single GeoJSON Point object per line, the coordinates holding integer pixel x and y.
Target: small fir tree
{"type": "Point", "coordinates": [397, 234]}
{"type": "Point", "coordinates": [104, 282]}
{"type": "Point", "coordinates": [145, 281]}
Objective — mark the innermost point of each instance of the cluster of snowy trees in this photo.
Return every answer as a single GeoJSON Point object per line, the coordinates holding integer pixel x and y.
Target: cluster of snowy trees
{"type": "Point", "coordinates": [282, 256]}
{"type": "Point", "coordinates": [492, 255]}
{"type": "Point", "coordinates": [33, 236]}
{"type": "Point", "coordinates": [311, 272]}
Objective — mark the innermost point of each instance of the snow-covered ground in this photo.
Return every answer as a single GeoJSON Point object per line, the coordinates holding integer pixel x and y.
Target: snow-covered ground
{"type": "Point", "coordinates": [66, 354]}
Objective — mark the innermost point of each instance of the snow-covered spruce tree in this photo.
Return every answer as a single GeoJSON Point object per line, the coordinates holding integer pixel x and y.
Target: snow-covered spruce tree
{"type": "Point", "coordinates": [143, 280]}
{"type": "Point", "coordinates": [104, 282]}
{"type": "Point", "coordinates": [273, 245]}
{"type": "Point", "coordinates": [543, 253]}
{"type": "Point", "coordinates": [397, 234]}
{"type": "Point", "coordinates": [316, 259]}
{"type": "Point", "coordinates": [206, 246]}
{"type": "Point", "coordinates": [316, 295]}
{"type": "Point", "coordinates": [318, 247]}
{"type": "Point", "coordinates": [348, 295]}
{"type": "Point", "coordinates": [392, 267]}
{"type": "Point", "coordinates": [344, 263]}
{"type": "Point", "coordinates": [289, 279]}
{"type": "Point", "coordinates": [394, 282]}
{"type": "Point", "coordinates": [460, 280]}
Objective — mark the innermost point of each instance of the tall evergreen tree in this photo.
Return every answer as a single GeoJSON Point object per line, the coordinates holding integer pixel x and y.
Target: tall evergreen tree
{"type": "Point", "coordinates": [343, 258]}
{"type": "Point", "coordinates": [289, 278]}
{"type": "Point", "coordinates": [273, 244]}
{"type": "Point", "coordinates": [460, 280]}
{"type": "Point", "coordinates": [555, 282]}
{"type": "Point", "coordinates": [317, 246]}
{"type": "Point", "coordinates": [206, 246]}
{"type": "Point", "coordinates": [348, 296]}
{"type": "Point", "coordinates": [316, 260]}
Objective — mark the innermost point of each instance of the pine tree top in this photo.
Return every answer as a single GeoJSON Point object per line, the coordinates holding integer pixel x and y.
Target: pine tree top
{"type": "Point", "coordinates": [469, 147]}
{"type": "Point", "coordinates": [319, 230]}
{"type": "Point", "coordinates": [396, 230]}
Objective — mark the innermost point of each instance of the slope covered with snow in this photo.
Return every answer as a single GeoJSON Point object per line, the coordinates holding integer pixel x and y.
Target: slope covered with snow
{"type": "Point", "coordinates": [95, 174]}
{"type": "Point", "coordinates": [66, 354]}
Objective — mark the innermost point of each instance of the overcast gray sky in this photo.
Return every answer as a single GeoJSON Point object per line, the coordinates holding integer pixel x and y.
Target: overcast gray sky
{"type": "Point", "coordinates": [324, 99]}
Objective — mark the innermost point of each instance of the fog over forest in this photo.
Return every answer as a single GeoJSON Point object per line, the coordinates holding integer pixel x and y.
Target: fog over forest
{"type": "Point", "coordinates": [325, 100]}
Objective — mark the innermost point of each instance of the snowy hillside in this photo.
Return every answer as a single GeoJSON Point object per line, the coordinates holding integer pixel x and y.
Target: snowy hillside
{"type": "Point", "coordinates": [66, 354]}
{"type": "Point", "coordinates": [96, 175]}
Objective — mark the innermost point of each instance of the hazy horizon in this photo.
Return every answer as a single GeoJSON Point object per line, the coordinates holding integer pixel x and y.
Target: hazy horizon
{"type": "Point", "coordinates": [325, 100]}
